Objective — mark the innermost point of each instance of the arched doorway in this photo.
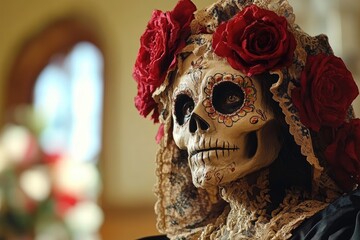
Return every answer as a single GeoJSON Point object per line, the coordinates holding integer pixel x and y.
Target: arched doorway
{"type": "Point", "coordinates": [60, 72]}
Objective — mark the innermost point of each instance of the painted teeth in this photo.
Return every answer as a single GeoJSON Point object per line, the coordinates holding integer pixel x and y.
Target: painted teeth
{"type": "Point", "coordinates": [194, 152]}
{"type": "Point", "coordinates": [220, 147]}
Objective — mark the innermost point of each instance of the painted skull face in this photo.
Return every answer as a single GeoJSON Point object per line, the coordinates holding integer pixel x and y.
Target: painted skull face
{"type": "Point", "coordinates": [219, 118]}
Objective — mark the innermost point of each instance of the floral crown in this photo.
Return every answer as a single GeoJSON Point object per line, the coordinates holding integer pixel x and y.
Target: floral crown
{"type": "Point", "coordinates": [315, 97]}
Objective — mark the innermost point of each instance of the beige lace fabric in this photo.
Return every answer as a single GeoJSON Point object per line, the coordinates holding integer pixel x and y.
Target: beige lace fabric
{"type": "Point", "coordinates": [239, 210]}
{"type": "Point", "coordinates": [247, 218]}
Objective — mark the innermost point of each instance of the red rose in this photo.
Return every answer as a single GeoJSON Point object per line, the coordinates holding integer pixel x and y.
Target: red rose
{"type": "Point", "coordinates": [255, 40]}
{"type": "Point", "coordinates": [343, 155]}
{"type": "Point", "coordinates": [326, 92]}
{"type": "Point", "coordinates": [164, 36]}
{"type": "Point", "coordinates": [144, 101]}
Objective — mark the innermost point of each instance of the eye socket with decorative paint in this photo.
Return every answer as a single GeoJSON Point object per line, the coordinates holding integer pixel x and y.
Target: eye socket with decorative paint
{"type": "Point", "coordinates": [220, 120]}
{"type": "Point", "coordinates": [184, 106]}
{"type": "Point", "coordinates": [227, 97]}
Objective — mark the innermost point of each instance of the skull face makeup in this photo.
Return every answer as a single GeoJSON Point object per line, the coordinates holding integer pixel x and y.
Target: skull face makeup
{"type": "Point", "coordinates": [220, 119]}
{"type": "Point", "coordinates": [245, 153]}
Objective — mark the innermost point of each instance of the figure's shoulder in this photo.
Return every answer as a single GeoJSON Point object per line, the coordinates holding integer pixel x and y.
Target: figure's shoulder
{"type": "Point", "coordinates": [340, 220]}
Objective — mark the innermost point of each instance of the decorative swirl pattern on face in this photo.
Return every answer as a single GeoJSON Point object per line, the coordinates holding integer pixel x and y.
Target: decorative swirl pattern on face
{"type": "Point", "coordinates": [229, 97]}
{"type": "Point", "coordinates": [262, 116]}
{"type": "Point", "coordinates": [218, 174]}
{"type": "Point", "coordinates": [196, 69]}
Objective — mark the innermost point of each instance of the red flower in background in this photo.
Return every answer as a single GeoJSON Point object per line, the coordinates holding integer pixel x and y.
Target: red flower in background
{"type": "Point", "coordinates": [343, 155]}
{"type": "Point", "coordinates": [254, 41]}
{"type": "Point", "coordinates": [64, 202]}
{"type": "Point", "coordinates": [164, 36]}
{"type": "Point", "coordinates": [326, 92]}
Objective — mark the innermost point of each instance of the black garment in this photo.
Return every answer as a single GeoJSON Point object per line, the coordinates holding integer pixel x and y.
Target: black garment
{"type": "Point", "coordinates": [158, 237]}
{"type": "Point", "coordinates": [339, 221]}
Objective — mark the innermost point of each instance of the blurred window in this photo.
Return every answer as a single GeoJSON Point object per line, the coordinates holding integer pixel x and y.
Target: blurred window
{"type": "Point", "coordinates": [68, 93]}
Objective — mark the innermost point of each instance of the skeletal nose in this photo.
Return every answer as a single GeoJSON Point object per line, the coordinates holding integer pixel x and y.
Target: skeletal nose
{"type": "Point", "coordinates": [196, 122]}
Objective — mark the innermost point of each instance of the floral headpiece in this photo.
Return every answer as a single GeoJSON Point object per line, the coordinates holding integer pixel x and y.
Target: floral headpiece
{"type": "Point", "coordinates": [257, 37]}
{"type": "Point", "coordinates": [164, 37]}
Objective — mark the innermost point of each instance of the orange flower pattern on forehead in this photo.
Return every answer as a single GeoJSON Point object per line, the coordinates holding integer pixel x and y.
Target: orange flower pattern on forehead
{"type": "Point", "coordinates": [246, 85]}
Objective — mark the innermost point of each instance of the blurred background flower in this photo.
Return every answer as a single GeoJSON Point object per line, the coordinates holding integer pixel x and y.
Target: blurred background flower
{"type": "Point", "coordinates": [41, 194]}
